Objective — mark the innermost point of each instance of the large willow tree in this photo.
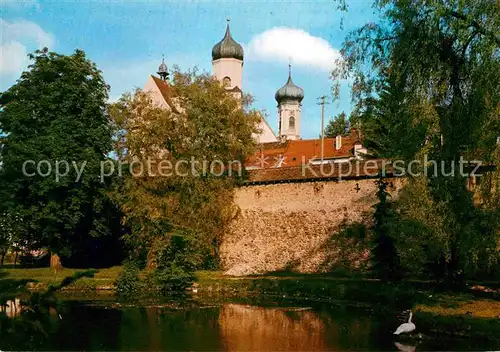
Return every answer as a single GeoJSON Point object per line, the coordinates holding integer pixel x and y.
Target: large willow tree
{"type": "Point", "coordinates": [207, 127]}
{"type": "Point", "coordinates": [427, 82]}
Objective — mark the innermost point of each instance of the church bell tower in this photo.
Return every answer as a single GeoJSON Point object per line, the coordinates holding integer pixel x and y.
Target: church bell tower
{"type": "Point", "coordinates": [227, 63]}
{"type": "Point", "coordinates": [289, 98]}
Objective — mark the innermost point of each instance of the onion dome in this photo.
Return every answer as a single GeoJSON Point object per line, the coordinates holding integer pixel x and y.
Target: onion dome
{"type": "Point", "coordinates": [289, 91]}
{"type": "Point", "coordinates": [227, 47]}
{"type": "Point", "coordinates": [162, 70]}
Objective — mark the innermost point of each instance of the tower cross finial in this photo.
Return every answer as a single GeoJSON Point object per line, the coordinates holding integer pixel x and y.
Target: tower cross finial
{"type": "Point", "coordinates": [163, 58]}
{"type": "Point", "coordinates": [228, 19]}
{"type": "Point", "coordinates": [289, 66]}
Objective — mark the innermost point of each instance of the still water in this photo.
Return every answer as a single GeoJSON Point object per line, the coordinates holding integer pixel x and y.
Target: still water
{"type": "Point", "coordinates": [232, 327]}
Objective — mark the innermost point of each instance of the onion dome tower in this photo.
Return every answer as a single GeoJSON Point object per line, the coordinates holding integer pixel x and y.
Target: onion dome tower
{"type": "Point", "coordinates": [289, 92]}
{"type": "Point", "coordinates": [227, 48]}
{"type": "Point", "coordinates": [227, 62]}
{"type": "Point", "coordinates": [289, 98]}
{"type": "Point", "coordinates": [162, 70]}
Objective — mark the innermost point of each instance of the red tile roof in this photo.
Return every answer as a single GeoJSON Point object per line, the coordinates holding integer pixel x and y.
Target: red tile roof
{"type": "Point", "coordinates": [166, 92]}
{"type": "Point", "coordinates": [299, 152]}
{"type": "Point", "coordinates": [358, 169]}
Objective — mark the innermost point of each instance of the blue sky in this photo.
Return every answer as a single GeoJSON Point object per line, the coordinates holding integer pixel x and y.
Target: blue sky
{"type": "Point", "coordinates": [126, 39]}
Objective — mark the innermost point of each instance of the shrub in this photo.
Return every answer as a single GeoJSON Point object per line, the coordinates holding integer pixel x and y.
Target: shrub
{"type": "Point", "coordinates": [171, 280]}
{"type": "Point", "coordinates": [176, 261]}
{"type": "Point", "coordinates": [128, 282]}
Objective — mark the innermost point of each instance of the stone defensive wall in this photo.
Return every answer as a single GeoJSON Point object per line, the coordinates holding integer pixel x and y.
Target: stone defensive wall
{"type": "Point", "coordinates": [288, 217]}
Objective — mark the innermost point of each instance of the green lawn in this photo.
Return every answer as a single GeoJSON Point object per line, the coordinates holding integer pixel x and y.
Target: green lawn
{"type": "Point", "coordinates": [43, 277]}
{"type": "Point", "coordinates": [326, 288]}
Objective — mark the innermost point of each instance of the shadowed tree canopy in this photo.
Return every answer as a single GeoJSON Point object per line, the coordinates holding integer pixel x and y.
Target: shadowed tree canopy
{"type": "Point", "coordinates": [337, 126]}
{"type": "Point", "coordinates": [188, 189]}
{"type": "Point", "coordinates": [426, 81]}
{"type": "Point", "coordinates": [56, 112]}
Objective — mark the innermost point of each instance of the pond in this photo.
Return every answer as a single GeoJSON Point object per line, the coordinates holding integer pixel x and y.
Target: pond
{"type": "Point", "coordinates": [230, 326]}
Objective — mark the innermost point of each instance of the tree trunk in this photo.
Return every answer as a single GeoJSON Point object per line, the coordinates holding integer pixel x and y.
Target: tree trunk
{"type": "Point", "coordinates": [2, 258]}
{"type": "Point", "coordinates": [55, 262]}
{"type": "Point", "coordinates": [151, 259]}
{"type": "Point", "coordinates": [15, 258]}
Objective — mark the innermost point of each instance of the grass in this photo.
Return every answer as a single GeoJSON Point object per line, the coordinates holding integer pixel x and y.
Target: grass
{"type": "Point", "coordinates": [482, 308]}
{"type": "Point", "coordinates": [43, 277]}
{"type": "Point", "coordinates": [422, 296]}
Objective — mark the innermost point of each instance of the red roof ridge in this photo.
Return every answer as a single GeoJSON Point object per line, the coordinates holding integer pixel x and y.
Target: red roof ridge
{"type": "Point", "coordinates": [166, 92]}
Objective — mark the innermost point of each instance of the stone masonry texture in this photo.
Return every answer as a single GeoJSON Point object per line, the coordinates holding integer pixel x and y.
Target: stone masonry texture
{"type": "Point", "coordinates": [289, 226]}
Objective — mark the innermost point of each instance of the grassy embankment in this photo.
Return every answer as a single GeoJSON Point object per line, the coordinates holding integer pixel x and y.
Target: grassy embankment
{"type": "Point", "coordinates": [440, 312]}
{"type": "Point", "coordinates": [422, 296]}
{"type": "Point", "coordinates": [103, 279]}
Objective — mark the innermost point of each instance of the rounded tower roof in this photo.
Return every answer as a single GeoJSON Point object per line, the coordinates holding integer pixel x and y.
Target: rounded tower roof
{"type": "Point", "coordinates": [289, 91]}
{"type": "Point", "coordinates": [227, 47]}
{"type": "Point", "coordinates": [162, 69]}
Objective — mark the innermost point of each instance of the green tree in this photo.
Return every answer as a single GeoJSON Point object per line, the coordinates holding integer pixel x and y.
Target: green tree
{"type": "Point", "coordinates": [11, 227]}
{"type": "Point", "coordinates": [388, 129]}
{"type": "Point", "coordinates": [56, 114]}
{"type": "Point", "coordinates": [434, 67]}
{"type": "Point", "coordinates": [189, 201]}
{"type": "Point", "coordinates": [337, 126]}
{"type": "Point", "coordinates": [385, 260]}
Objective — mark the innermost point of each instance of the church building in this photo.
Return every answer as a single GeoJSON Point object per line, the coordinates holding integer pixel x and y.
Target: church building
{"type": "Point", "coordinates": [286, 148]}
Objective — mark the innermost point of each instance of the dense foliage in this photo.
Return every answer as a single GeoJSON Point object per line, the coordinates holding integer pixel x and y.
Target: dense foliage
{"type": "Point", "coordinates": [55, 116]}
{"type": "Point", "coordinates": [385, 259]}
{"type": "Point", "coordinates": [337, 126]}
{"type": "Point", "coordinates": [426, 81]}
{"type": "Point", "coordinates": [204, 139]}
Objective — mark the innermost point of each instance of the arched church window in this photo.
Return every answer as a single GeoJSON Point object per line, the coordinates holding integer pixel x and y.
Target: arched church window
{"type": "Point", "coordinates": [226, 82]}
{"type": "Point", "coordinates": [291, 122]}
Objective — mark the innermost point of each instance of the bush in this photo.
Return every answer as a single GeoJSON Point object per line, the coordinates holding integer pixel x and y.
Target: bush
{"type": "Point", "coordinates": [128, 282]}
{"type": "Point", "coordinates": [176, 258]}
{"type": "Point", "coordinates": [176, 261]}
{"type": "Point", "coordinates": [171, 280]}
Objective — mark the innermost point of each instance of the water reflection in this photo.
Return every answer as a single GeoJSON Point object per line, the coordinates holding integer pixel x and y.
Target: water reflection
{"type": "Point", "coordinates": [257, 329]}
{"type": "Point", "coordinates": [228, 327]}
{"type": "Point", "coordinates": [12, 308]}
{"type": "Point", "coordinates": [253, 328]}
{"type": "Point", "coordinates": [405, 348]}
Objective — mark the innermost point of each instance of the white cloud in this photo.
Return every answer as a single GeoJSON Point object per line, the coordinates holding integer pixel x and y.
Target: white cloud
{"type": "Point", "coordinates": [12, 57]}
{"type": "Point", "coordinates": [17, 39]}
{"type": "Point", "coordinates": [282, 43]}
{"type": "Point", "coordinates": [26, 31]}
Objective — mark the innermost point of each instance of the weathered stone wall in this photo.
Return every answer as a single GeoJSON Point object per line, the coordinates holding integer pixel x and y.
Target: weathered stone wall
{"type": "Point", "coordinates": [291, 225]}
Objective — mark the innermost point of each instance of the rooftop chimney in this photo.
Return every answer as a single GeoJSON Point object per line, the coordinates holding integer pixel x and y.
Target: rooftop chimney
{"type": "Point", "coordinates": [338, 142]}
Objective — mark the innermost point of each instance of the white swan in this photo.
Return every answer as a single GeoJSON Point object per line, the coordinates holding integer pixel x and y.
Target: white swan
{"type": "Point", "coordinates": [406, 327]}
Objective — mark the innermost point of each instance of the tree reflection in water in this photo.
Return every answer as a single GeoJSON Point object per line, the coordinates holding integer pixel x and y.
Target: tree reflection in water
{"type": "Point", "coordinates": [11, 308]}
{"type": "Point", "coordinates": [26, 317]}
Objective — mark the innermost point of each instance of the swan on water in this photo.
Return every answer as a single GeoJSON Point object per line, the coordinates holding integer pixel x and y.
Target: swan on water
{"type": "Point", "coordinates": [406, 327]}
